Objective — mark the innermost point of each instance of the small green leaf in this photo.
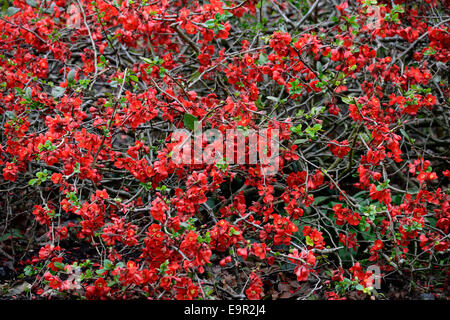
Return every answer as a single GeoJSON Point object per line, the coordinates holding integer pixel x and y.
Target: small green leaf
{"type": "Point", "coordinates": [309, 241]}
{"type": "Point", "coordinates": [28, 93]}
{"type": "Point", "coordinates": [347, 100]}
{"type": "Point", "coordinates": [31, 3]}
{"type": "Point", "coordinates": [71, 76]}
{"type": "Point", "coordinates": [233, 232]}
{"type": "Point", "coordinates": [210, 23]}
{"type": "Point", "coordinates": [108, 264]}
{"type": "Point", "coordinates": [263, 59]}
{"type": "Point", "coordinates": [189, 121]}
{"type": "Point", "coordinates": [147, 60]}
{"type": "Point", "coordinates": [58, 92]}
{"type": "Point", "coordinates": [12, 11]}
{"type": "Point", "coordinates": [275, 99]}
{"type": "Point", "coordinates": [134, 78]}
{"type": "Point", "coordinates": [100, 271]}
{"type": "Point", "coordinates": [300, 141]}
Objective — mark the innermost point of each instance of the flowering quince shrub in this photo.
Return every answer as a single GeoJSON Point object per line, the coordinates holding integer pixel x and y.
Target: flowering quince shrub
{"type": "Point", "coordinates": [94, 205]}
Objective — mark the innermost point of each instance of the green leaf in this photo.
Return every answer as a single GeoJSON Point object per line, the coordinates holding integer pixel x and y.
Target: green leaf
{"type": "Point", "coordinates": [210, 202]}
{"type": "Point", "coordinates": [224, 17]}
{"type": "Point", "coordinates": [194, 76]}
{"type": "Point", "coordinates": [210, 23]}
{"type": "Point", "coordinates": [58, 92]}
{"type": "Point", "coordinates": [297, 129]}
{"type": "Point", "coordinates": [71, 76]}
{"type": "Point", "coordinates": [309, 241]}
{"type": "Point", "coordinates": [263, 59]}
{"type": "Point", "coordinates": [319, 67]}
{"type": "Point", "coordinates": [162, 71]}
{"type": "Point", "coordinates": [429, 51]}
{"type": "Point", "coordinates": [12, 11]}
{"type": "Point", "coordinates": [31, 3]}
{"type": "Point", "coordinates": [108, 264]}
{"type": "Point", "coordinates": [311, 131]}
{"type": "Point", "coordinates": [189, 121]}
{"type": "Point", "coordinates": [100, 271]}
{"type": "Point", "coordinates": [300, 141]}
{"type": "Point", "coordinates": [406, 136]}
{"type": "Point", "coordinates": [348, 100]}
{"type": "Point", "coordinates": [233, 232]}
{"type": "Point", "coordinates": [275, 99]}
{"type": "Point", "coordinates": [147, 60]}
{"type": "Point", "coordinates": [28, 93]}
{"type": "Point", "coordinates": [134, 78]}
{"type": "Point", "coordinates": [29, 271]}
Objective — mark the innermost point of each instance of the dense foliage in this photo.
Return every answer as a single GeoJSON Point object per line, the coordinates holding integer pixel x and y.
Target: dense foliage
{"type": "Point", "coordinates": [94, 205]}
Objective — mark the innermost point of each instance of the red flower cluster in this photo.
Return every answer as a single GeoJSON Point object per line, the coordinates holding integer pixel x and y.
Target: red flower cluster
{"type": "Point", "coordinates": [339, 149]}
{"type": "Point", "coordinates": [345, 215]}
{"type": "Point", "coordinates": [254, 290]}
{"type": "Point", "coordinates": [305, 261]}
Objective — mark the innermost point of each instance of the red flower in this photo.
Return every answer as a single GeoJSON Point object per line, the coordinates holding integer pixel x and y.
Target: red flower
{"type": "Point", "coordinates": [158, 209]}
{"type": "Point", "coordinates": [254, 291]}
{"type": "Point", "coordinates": [377, 245]}
{"type": "Point", "coordinates": [242, 252]}
{"type": "Point", "coordinates": [10, 171]}
{"type": "Point", "coordinates": [204, 59]}
{"type": "Point", "coordinates": [383, 195]}
{"type": "Point", "coordinates": [259, 250]}
{"type": "Point", "coordinates": [56, 178]}
{"type": "Point", "coordinates": [339, 149]}
{"type": "Point", "coordinates": [349, 242]}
